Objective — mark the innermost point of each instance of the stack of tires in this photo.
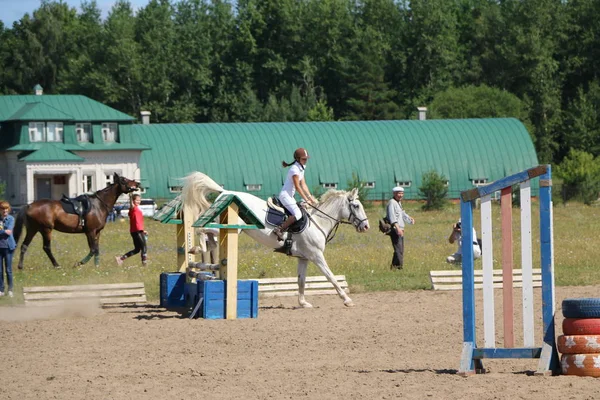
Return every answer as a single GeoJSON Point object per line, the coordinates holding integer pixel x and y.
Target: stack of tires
{"type": "Point", "coordinates": [580, 342]}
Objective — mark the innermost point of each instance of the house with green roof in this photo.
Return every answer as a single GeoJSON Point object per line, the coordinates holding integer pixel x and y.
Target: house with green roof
{"type": "Point", "coordinates": [50, 145]}
{"type": "Point", "coordinates": [62, 144]}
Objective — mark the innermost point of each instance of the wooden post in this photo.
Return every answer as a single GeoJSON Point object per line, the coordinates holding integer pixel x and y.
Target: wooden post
{"type": "Point", "coordinates": [507, 266]}
{"type": "Point", "coordinates": [228, 249]}
{"type": "Point", "coordinates": [185, 240]}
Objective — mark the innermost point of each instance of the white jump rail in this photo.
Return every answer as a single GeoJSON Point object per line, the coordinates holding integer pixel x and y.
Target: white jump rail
{"type": "Point", "coordinates": [106, 294]}
{"type": "Point", "coordinates": [315, 285]}
{"type": "Point", "coordinates": [452, 279]}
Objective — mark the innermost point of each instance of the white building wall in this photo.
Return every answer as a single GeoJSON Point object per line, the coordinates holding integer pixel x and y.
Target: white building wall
{"type": "Point", "coordinates": [20, 176]}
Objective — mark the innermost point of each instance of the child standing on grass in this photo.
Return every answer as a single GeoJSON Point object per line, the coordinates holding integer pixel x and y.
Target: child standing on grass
{"type": "Point", "coordinates": [136, 229]}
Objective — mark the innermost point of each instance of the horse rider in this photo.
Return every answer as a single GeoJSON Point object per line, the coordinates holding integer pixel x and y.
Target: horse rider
{"type": "Point", "coordinates": [294, 182]}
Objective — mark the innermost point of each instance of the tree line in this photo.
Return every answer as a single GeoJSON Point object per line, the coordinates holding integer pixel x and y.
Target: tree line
{"type": "Point", "coordinates": [307, 60]}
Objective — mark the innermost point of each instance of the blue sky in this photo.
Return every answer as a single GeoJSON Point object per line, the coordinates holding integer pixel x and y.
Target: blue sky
{"type": "Point", "coordinates": [13, 10]}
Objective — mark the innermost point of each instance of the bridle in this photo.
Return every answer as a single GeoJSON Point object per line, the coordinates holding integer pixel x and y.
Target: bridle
{"type": "Point", "coordinates": [121, 182]}
{"type": "Point", "coordinates": [352, 220]}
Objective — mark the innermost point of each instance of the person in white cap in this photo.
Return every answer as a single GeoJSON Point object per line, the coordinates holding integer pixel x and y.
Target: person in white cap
{"type": "Point", "coordinates": [397, 217]}
{"type": "Point", "coordinates": [456, 236]}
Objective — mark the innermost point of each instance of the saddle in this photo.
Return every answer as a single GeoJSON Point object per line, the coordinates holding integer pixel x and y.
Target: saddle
{"type": "Point", "coordinates": [79, 206]}
{"type": "Point", "coordinates": [277, 214]}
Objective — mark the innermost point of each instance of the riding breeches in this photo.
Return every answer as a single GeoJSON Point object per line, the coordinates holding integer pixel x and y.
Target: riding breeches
{"type": "Point", "coordinates": [139, 241]}
{"type": "Point", "coordinates": [290, 204]}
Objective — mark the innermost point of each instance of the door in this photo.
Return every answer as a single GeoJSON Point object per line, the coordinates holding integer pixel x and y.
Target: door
{"type": "Point", "coordinates": [43, 188]}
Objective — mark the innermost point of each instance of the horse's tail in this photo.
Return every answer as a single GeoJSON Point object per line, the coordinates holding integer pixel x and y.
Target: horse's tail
{"type": "Point", "coordinates": [21, 216]}
{"type": "Point", "coordinates": [195, 189]}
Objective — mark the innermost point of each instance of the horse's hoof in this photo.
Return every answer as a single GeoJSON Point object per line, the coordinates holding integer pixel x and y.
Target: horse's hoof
{"type": "Point", "coordinates": [349, 303]}
{"type": "Point", "coordinates": [306, 305]}
{"type": "Point", "coordinates": [77, 264]}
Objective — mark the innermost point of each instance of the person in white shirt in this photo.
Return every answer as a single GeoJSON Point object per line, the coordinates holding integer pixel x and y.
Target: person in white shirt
{"type": "Point", "coordinates": [294, 182]}
{"type": "Point", "coordinates": [397, 216]}
{"type": "Point", "coordinates": [456, 236]}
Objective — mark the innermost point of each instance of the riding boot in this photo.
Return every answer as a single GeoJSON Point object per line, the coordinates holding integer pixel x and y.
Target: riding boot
{"type": "Point", "coordinates": [278, 231]}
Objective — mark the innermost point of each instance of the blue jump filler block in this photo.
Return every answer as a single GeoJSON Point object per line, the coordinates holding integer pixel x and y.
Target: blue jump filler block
{"type": "Point", "coordinates": [214, 304]}
{"type": "Point", "coordinates": [172, 289]}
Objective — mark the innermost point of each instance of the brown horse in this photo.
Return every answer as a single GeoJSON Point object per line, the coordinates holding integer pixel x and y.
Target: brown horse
{"type": "Point", "coordinates": [45, 215]}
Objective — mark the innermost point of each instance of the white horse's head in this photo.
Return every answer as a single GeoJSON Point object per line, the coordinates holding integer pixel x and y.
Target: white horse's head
{"type": "Point", "coordinates": [348, 207]}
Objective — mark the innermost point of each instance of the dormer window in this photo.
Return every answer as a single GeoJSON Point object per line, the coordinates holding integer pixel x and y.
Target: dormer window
{"type": "Point", "coordinates": [36, 131]}
{"type": "Point", "coordinates": [54, 132]}
{"type": "Point", "coordinates": [45, 132]}
{"type": "Point", "coordinates": [110, 132]}
{"type": "Point", "coordinates": [84, 132]}
{"type": "Point", "coordinates": [479, 182]}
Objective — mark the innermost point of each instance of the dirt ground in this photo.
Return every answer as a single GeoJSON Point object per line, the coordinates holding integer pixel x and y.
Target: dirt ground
{"type": "Point", "coordinates": [391, 345]}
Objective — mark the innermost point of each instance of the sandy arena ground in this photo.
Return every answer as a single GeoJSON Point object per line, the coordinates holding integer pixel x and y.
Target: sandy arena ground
{"type": "Point", "coordinates": [393, 345]}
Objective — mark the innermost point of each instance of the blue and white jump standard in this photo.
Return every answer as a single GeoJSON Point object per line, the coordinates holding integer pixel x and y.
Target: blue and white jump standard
{"type": "Point", "coordinates": [472, 355]}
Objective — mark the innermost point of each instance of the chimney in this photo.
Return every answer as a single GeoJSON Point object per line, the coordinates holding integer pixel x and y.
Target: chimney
{"type": "Point", "coordinates": [422, 113]}
{"type": "Point", "coordinates": [145, 117]}
{"type": "Point", "coordinates": [38, 90]}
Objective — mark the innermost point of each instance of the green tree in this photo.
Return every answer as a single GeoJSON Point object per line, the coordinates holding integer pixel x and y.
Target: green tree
{"type": "Point", "coordinates": [433, 190]}
{"type": "Point", "coordinates": [363, 190]}
{"type": "Point", "coordinates": [369, 96]}
{"type": "Point", "coordinates": [434, 58]}
{"type": "Point", "coordinates": [580, 173]}
{"type": "Point", "coordinates": [121, 64]}
{"type": "Point", "coordinates": [478, 102]}
{"type": "Point", "coordinates": [582, 122]}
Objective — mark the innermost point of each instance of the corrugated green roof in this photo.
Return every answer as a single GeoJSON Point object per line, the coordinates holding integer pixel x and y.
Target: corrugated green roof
{"type": "Point", "coordinates": [57, 107]}
{"type": "Point", "coordinates": [50, 152]}
{"type": "Point", "coordinates": [81, 146]}
{"type": "Point", "coordinates": [38, 112]}
{"type": "Point", "coordinates": [383, 152]}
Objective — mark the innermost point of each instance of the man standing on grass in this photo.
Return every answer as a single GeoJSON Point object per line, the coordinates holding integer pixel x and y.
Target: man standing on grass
{"type": "Point", "coordinates": [397, 216]}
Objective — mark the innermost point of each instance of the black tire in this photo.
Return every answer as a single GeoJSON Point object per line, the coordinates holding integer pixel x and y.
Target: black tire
{"type": "Point", "coordinates": [581, 308]}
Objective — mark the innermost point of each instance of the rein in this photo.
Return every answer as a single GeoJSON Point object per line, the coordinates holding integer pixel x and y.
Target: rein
{"type": "Point", "coordinates": [328, 237]}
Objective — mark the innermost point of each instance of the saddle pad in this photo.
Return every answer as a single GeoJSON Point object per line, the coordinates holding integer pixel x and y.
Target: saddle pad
{"type": "Point", "coordinates": [276, 218]}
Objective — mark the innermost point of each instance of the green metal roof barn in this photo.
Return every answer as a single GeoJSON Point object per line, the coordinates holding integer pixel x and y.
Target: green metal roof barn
{"type": "Point", "coordinates": [247, 156]}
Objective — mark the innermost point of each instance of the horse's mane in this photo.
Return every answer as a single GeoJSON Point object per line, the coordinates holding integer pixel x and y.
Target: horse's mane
{"type": "Point", "coordinates": [195, 189]}
{"type": "Point", "coordinates": [331, 198]}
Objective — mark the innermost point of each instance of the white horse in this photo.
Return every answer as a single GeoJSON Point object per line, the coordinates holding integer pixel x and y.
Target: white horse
{"type": "Point", "coordinates": [336, 207]}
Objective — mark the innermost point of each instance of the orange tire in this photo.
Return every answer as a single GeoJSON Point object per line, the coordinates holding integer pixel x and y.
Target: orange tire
{"type": "Point", "coordinates": [580, 364]}
{"type": "Point", "coordinates": [581, 326]}
{"type": "Point", "coordinates": [578, 344]}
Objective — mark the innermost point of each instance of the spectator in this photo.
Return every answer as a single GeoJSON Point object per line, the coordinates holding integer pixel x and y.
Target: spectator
{"type": "Point", "coordinates": [456, 236]}
{"type": "Point", "coordinates": [7, 247]}
{"type": "Point", "coordinates": [397, 217]}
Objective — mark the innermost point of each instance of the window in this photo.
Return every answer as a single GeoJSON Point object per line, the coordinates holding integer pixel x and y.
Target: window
{"type": "Point", "coordinates": [253, 188]}
{"type": "Point", "coordinates": [54, 132]}
{"type": "Point", "coordinates": [36, 131]}
{"type": "Point", "coordinates": [84, 132]}
{"type": "Point", "coordinates": [479, 182]}
{"type": "Point", "coordinates": [108, 179]}
{"type": "Point", "coordinates": [175, 189]}
{"type": "Point", "coordinates": [88, 183]}
{"type": "Point", "coordinates": [370, 185]}
{"type": "Point", "coordinates": [404, 183]}
{"type": "Point", "coordinates": [329, 185]}
{"type": "Point", "coordinates": [110, 132]}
